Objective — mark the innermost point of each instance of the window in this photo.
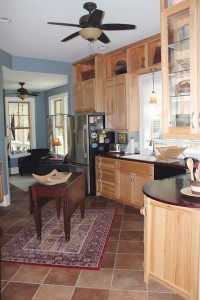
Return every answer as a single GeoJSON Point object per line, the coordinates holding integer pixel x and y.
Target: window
{"type": "Point", "coordinates": [151, 114]}
{"type": "Point", "coordinates": [20, 124]}
{"type": "Point", "coordinates": [58, 108]}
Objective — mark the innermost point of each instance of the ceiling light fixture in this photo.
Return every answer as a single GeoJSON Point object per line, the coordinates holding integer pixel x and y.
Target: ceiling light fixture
{"type": "Point", "coordinates": [90, 33]}
{"type": "Point", "coordinates": [5, 20]}
{"type": "Point", "coordinates": [153, 99]}
{"type": "Point", "coordinates": [22, 97]}
{"type": "Point", "coordinates": [102, 47]}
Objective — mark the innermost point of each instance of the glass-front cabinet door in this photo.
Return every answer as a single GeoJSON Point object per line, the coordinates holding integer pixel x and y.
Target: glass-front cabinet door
{"type": "Point", "coordinates": [180, 69]}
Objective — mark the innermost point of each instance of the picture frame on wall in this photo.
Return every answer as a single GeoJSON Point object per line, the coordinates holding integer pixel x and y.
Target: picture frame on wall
{"type": "Point", "coordinates": [122, 138]}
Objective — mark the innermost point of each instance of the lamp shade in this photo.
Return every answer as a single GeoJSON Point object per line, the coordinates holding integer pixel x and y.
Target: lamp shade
{"type": "Point", "coordinates": [153, 99]}
{"type": "Point", "coordinates": [90, 33]}
{"type": "Point", "coordinates": [24, 96]}
{"type": "Point", "coordinates": [56, 142]}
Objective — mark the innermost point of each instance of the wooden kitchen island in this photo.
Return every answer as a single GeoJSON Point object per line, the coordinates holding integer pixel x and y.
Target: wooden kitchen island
{"type": "Point", "coordinates": [172, 236]}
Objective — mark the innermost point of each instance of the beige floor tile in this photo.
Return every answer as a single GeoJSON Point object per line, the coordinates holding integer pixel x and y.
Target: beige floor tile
{"type": "Point", "coordinates": [54, 292]}
{"type": "Point", "coordinates": [131, 247]}
{"type": "Point", "coordinates": [9, 270]}
{"type": "Point", "coordinates": [127, 295]}
{"type": "Point", "coordinates": [164, 296]}
{"type": "Point", "coordinates": [19, 291]}
{"type": "Point", "coordinates": [129, 261]}
{"type": "Point", "coordinates": [128, 280]}
{"type": "Point", "coordinates": [132, 225]}
{"type": "Point", "coordinates": [31, 274]}
{"type": "Point", "coordinates": [62, 276]}
{"type": "Point", "coordinates": [95, 279]}
{"type": "Point", "coordinates": [135, 236]}
{"type": "Point", "coordinates": [90, 294]}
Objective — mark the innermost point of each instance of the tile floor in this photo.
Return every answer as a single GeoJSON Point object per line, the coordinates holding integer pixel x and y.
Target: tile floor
{"type": "Point", "coordinates": [121, 275]}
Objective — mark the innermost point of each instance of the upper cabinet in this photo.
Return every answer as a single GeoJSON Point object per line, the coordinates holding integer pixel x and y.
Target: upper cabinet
{"type": "Point", "coordinates": [138, 58]}
{"type": "Point", "coordinates": [88, 85]}
{"type": "Point", "coordinates": [122, 102]}
{"type": "Point", "coordinates": [180, 44]}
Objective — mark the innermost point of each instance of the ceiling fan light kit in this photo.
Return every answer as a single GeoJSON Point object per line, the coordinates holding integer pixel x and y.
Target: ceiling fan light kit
{"type": "Point", "coordinates": [23, 93]}
{"type": "Point", "coordinates": [90, 33]}
{"type": "Point", "coordinates": [91, 25]}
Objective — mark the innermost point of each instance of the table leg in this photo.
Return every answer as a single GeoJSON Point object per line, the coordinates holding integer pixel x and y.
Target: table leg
{"type": "Point", "coordinates": [37, 214]}
{"type": "Point", "coordinates": [38, 220]}
{"type": "Point", "coordinates": [58, 207]}
{"type": "Point", "coordinates": [67, 222]}
{"type": "Point", "coordinates": [82, 207]}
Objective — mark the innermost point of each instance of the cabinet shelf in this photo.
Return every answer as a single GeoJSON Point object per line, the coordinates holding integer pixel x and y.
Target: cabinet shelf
{"type": "Point", "coordinates": [179, 74]}
{"type": "Point", "coordinates": [180, 45]}
{"type": "Point", "coordinates": [179, 98]}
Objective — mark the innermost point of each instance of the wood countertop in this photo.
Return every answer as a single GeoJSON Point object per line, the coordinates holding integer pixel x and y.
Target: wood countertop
{"type": "Point", "coordinates": [169, 191]}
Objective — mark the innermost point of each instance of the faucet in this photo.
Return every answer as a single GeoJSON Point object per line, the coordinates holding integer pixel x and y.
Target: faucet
{"type": "Point", "coordinates": [152, 143]}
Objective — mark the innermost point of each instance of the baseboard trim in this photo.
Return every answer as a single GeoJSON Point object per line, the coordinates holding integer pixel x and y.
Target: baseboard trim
{"type": "Point", "coordinates": [6, 200]}
{"type": "Point", "coordinates": [14, 171]}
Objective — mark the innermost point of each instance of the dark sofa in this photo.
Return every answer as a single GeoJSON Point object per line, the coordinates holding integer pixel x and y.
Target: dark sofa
{"type": "Point", "coordinates": [48, 164]}
{"type": "Point", "coordinates": [28, 164]}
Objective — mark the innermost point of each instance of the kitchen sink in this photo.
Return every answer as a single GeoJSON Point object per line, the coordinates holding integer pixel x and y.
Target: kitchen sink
{"type": "Point", "coordinates": [145, 157]}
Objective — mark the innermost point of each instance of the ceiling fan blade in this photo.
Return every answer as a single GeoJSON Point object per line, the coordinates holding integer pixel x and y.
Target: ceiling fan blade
{"type": "Point", "coordinates": [96, 17]}
{"type": "Point", "coordinates": [33, 94]}
{"type": "Point", "coordinates": [64, 24]}
{"type": "Point", "coordinates": [117, 26]}
{"type": "Point", "coordinates": [69, 37]}
{"type": "Point", "coordinates": [104, 39]}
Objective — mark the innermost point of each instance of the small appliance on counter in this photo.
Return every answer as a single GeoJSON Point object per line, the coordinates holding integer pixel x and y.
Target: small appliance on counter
{"type": "Point", "coordinates": [115, 148]}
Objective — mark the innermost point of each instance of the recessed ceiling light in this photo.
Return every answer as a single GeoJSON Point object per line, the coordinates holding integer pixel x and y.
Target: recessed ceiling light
{"type": "Point", "coordinates": [102, 47]}
{"type": "Point", "coordinates": [5, 20]}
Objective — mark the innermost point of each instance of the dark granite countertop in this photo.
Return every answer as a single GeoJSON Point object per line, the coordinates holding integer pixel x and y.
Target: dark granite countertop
{"type": "Point", "coordinates": [169, 191]}
{"type": "Point", "coordinates": [176, 163]}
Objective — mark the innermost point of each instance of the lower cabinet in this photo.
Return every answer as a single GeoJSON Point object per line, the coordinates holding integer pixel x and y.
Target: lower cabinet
{"type": "Point", "coordinates": [172, 247]}
{"type": "Point", "coordinates": [105, 177]}
{"type": "Point", "coordinates": [122, 180]}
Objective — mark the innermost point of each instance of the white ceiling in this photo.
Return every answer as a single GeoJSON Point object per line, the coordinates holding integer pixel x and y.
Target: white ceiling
{"type": "Point", "coordinates": [29, 35]}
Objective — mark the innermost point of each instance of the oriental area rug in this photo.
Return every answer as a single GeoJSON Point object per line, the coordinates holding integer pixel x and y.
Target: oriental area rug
{"type": "Point", "coordinates": [85, 248]}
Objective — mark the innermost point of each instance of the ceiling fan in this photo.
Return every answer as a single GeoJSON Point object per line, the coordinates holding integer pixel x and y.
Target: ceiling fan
{"type": "Point", "coordinates": [23, 93]}
{"type": "Point", "coordinates": [91, 25]}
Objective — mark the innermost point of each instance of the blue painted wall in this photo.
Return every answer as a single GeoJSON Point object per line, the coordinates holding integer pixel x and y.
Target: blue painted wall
{"type": "Point", "coordinates": [31, 65]}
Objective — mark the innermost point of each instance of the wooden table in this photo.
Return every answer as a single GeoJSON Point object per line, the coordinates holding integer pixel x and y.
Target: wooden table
{"type": "Point", "coordinates": [72, 194]}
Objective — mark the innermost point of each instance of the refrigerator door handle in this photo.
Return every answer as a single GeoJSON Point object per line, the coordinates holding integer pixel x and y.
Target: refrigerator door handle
{"type": "Point", "coordinates": [84, 141]}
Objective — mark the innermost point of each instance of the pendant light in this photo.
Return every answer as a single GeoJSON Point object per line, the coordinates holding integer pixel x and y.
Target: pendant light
{"type": "Point", "coordinates": [153, 99]}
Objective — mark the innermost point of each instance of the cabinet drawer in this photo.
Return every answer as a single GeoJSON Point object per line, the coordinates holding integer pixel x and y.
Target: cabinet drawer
{"type": "Point", "coordinates": [136, 167]}
{"type": "Point", "coordinates": [107, 189]}
{"type": "Point", "coordinates": [106, 162]}
{"type": "Point", "coordinates": [105, 174]}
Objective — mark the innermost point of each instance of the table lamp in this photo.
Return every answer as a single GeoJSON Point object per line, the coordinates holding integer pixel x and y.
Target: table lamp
{"type": "Point", "coordinates": [56, 143]}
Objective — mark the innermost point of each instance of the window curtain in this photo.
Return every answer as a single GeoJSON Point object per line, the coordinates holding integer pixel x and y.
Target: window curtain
{"type": "Point", "coordinates": [50, 121]}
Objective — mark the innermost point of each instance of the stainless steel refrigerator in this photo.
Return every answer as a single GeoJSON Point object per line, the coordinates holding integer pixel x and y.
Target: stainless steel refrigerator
{"type": "Point", "coordinates": [86, 139]}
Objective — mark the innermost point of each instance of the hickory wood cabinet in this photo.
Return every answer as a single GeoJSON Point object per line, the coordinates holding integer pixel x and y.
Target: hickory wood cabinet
{"type": "Point", "coordinates": [180, 41]}
{"type": "Point", "coordinates": [172, 247]}
{"type": "Point", "coordinates": [105, 177]}
{"type": "Point", "coordinates": [88, 85]}
{"type": "Point", "coordinates": [1, 189]}
{"type": "Point", "coordinates": [122, 180]}
{"type": "Point", "coordinates": [122, 102]}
